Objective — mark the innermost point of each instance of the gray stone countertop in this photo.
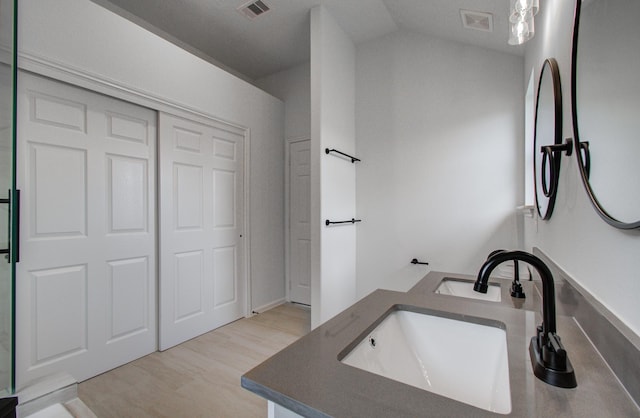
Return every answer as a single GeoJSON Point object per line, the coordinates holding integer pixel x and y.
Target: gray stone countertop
{"type": "Point", "coordinates": [307, 377]}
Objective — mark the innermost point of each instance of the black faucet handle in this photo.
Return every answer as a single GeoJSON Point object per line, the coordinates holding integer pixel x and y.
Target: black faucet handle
{"type": "Point", "coordinates": [550, 361]}
{"type": "Point", "coordinates": [554, 354]}
{"type": "Point", "coordinates": [556, 343]}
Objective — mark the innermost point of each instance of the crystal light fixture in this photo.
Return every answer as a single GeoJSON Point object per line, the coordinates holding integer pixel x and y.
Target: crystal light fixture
{"type": "Point", "coordinates": [521, 26]}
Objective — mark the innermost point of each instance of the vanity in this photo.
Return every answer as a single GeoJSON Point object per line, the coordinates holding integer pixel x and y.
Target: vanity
{"type": "Point", "coordinates": [341, 369]}
{"type": "Point", "coordinates": [309, 379]}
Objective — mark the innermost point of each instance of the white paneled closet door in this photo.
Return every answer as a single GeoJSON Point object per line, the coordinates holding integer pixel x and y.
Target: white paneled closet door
{"type": "Point", "coordinates": [202, 275]}
{"type": "Point", "coordinates": [86, 280]}
{"type": "Point", "coordinates": [300, 222]}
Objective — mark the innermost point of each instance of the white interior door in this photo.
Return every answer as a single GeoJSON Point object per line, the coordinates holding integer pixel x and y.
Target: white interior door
{"type": "Point", "coordinates": [202, 278]}
{"type": "Point", "coordinates": [86, 280]}
{"type": "Point", "coordinates": [299, 222]}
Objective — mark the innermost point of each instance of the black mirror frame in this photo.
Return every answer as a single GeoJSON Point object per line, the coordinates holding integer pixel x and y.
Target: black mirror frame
{"type": "Point", "coordinates": [550, 152]}
{"type": "Point", "coordinates": [584, 163]}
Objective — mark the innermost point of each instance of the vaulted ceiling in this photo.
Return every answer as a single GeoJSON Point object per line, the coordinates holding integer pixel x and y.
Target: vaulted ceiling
{"type": "Point", "coordinates": [280, 39]}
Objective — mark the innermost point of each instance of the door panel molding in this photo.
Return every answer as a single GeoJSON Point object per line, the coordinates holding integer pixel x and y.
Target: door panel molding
{"type": "Point", "coordinates": [86, 281]}
{"type": "Point", "coordinates": [34, 63]}
{"type": "Point", "coordinates": [204, 280]}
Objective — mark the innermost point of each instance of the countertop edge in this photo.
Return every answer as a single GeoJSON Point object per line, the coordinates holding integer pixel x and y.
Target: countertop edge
{"type": "Point", "coordinates": [273, 379]}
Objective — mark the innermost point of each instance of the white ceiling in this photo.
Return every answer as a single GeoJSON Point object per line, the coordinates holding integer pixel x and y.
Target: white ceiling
{"type": "Point", "coordinates": [279, 39]}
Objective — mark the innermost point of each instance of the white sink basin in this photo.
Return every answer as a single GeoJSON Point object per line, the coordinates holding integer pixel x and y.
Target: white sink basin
{"type": "Point", "coordinates": [464, 289]}
{"type": "Point", "coordinates": [461, 360]}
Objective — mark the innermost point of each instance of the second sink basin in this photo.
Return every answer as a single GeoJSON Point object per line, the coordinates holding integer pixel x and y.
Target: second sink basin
{"type": "Point", "coordinates": [465, 361]}
{"type": "Point", "coordinates": [464, 289]}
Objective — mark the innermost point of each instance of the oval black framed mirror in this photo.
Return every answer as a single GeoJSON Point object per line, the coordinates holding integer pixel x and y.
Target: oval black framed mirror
{"type": "Point", "coordinates": [547, 134]}
{"type": "Point", "coordinates": [605, 104]}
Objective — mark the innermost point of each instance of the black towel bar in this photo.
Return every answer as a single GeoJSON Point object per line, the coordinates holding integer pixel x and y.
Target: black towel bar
{"type": "Point", "coordinates": [353, 159]}
{"type": "Point", "coordinates": [351, 221]}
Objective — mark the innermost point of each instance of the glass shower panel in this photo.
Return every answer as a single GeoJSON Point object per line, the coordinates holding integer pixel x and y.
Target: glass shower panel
{"type": "Point", "coordinates": [7, 8]}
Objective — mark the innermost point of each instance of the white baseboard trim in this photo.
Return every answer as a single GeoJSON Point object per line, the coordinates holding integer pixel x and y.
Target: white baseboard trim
{"type": "Point", "coordinates": [268, 306]}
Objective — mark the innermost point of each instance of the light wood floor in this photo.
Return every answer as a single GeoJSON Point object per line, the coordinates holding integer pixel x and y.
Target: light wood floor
{"type": "Point", "coordinates": [201, 377]}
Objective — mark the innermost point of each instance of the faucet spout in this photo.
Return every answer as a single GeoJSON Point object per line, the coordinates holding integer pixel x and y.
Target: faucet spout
{"type": "Point", "coordinates": [548, 357]}
{"type": "Point", "coordinates": [548, 290]}
{"type": "Point", "coordinates": [516, 287]}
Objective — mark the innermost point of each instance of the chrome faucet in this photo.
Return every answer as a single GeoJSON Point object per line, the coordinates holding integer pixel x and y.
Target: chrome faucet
{"type": "Point", "coordinates": [548, 357]}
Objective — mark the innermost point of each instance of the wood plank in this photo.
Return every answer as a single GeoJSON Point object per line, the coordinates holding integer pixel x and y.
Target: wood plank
{"type": "Point", "coordinates": [201, 377]}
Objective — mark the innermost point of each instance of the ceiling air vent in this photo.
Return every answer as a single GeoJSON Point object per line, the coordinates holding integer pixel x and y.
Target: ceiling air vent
{"type": "Point", "coordinates": [477, 20]}
{"type": "Point", "coordinates": [254, 9]}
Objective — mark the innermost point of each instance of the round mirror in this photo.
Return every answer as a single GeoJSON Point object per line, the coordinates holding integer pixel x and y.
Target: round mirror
{"type": "Point", "coordinates": [548, 132]}
{"type": "Point", "coordinates": [605, 91]}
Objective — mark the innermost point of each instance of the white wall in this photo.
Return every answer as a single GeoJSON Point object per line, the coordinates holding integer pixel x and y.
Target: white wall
{"type": "Point", "coordinates": [77, 40]}
{"type": "Point", "coordinates": [293, 87]}
{"type": "Point", "coordinates": [602, 259]}
{"type": "Point", "coordinates": [440, 133]}
{"type": "Point", "coordinates": [333, 249]}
